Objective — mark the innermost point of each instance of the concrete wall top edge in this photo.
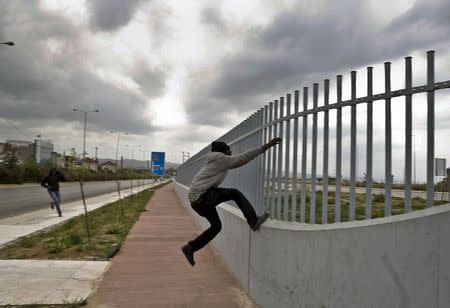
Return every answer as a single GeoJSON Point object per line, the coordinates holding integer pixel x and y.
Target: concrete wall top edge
{"type": "Point", "coordinates": [342, 225]}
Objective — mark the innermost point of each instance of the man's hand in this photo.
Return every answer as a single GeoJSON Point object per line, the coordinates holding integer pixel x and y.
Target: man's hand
{"type": "Point", "coordinates": [271, 143]}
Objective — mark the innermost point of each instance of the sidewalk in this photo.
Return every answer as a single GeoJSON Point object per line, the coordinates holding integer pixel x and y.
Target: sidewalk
{"type": "Point", "coordinates": [151, 271]}
{"type": "Point", "coordinates": [28, 282]}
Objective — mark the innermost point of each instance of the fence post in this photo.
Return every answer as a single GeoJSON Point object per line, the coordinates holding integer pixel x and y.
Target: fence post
{"type": "Point", "coordinates": [430, 129]}
{"type": "Point", "coordinates": [312, 203]}
{"type": "Point", "coordinates": [369, 150]}
{"type": "Point", "coordinates": [274, 161]}
{"type": "Point", "coordinates": [269, 160]}
{"type": "Point", "coordinates": [388, 141]}
{"type": "Point", "coordinates": [325, 154]}
{"type": "Point", "coordinates": [295, 154]}
{"type": "Point", "coordinates": [338, 149]}
{"type": "Point", "coordinates": [351, 211]}
{"type": "Point", "coordinates": [408, 134]}
{"type": "Point", "coordinates": [280, 162]}
{"type": "Point", "coordinates": [287, 142]}
{"type": "Point", "coordinates": [304, 153]}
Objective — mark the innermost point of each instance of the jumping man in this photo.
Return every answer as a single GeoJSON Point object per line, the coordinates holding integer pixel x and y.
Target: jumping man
{"type": "Point", "coordinates": [205, 195]}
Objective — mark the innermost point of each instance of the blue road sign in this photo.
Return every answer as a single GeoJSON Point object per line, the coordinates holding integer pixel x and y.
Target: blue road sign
{"type": "Point", "coordinates": [158, 160]}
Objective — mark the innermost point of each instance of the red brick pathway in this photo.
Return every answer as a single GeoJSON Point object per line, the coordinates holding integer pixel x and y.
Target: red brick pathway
{"type": "Point", "coordinates": [151, 271]}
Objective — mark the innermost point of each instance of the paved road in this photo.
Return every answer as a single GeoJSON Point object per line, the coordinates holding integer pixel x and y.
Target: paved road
{"type": "Point", "coordinates": [16, 200]}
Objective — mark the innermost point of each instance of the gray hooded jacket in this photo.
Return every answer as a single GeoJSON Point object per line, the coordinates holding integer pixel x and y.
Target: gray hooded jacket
{"type": "Point", "coordinates": [216, 169]}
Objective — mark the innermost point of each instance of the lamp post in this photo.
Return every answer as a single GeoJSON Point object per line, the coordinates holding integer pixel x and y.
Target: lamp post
{"type": "Point", "coordinates": [84, 136]}
{"type": "Point", "coordinates": [144, 152]}
{"type": "Point", "coordinates": [117, 147]}
{"type": "Point", "coordinates": [133, 148]}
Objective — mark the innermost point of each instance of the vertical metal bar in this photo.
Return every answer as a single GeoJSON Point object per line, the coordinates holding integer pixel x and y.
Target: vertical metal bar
{"type": "Point", "coordinates": [325, 153]}
{"type": "Point", "coordinates": [388, 140]}
{"type": "Point", "coordinates": [408, 134]}
{"type": "Point", "coordinates": [304, 153]}
{"type": "Point", "coordinates": [259, 140]}
{"type": "Point", "coordinates": [312, 207]}
{"type": "Point", "coordinates": [287, 142]}
{"type": "Point", "coordinates": [369, 145]}
{"type": "Point", "coordinates": [269, 160]}
{"type": "Point", "coordinates": [430, 129]}
{"type": "Point", "coordinates": [280, 163]}
{"type": "Point", "coordinates": [351, 212]}
{"type": "Point", "coordinates": [295, 154]}
{"type": "Point", "coordinates": [274, 162]}
{"type": "Point", "coordinates": [264, 162]}
{"type": "Point", "coordinates": [255, 172]}
{"type": "Point", "coordinates": [256, 162]}
{"type": "Point", "coordinates": [338, 150]}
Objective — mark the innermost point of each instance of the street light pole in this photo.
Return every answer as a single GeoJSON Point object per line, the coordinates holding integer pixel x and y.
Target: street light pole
{"type": "Point", "coordinates": [117, 147]}
{"type": "Point", "coordinates": [132, 152]}
{"type": "Point", "coordinates": [84, 135]}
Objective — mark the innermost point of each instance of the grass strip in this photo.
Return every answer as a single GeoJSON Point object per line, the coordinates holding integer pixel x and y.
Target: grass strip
{"type": "Point", "coordinates": [69, 240]}
{"type": "Point", "coordinates": [398, 206]}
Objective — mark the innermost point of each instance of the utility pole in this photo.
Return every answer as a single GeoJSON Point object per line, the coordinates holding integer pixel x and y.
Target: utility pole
{"type": "Point", "coordinates": [117, 147]}
{"type": "Point", "coordinates": [84, 135]}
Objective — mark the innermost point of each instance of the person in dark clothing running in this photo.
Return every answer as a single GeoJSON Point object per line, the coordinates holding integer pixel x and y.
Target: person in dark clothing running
{"type": "Point", "coordinates": [205, 195]}
{"type": "Point", "coordinates": [51, 182]}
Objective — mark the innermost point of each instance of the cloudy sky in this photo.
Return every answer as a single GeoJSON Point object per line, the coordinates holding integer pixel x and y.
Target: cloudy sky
{"type": "Point", "coordinates": [176, 75]}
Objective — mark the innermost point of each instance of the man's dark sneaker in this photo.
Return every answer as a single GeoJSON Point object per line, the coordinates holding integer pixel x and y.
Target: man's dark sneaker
{"type": "Point", "coordinates": [261, 220]}
{"type": "Point", "coordinates": [52, 205]}
{"type": "Point", "coordinates": [189, 254]}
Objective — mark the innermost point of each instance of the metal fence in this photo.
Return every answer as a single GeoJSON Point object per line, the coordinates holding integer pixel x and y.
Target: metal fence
{"type": "Point", "coordinates": [271, 181]}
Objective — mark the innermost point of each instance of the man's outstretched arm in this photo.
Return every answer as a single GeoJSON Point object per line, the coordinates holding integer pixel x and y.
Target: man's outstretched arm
{"type": "Point", "coordinates": [235, 161]}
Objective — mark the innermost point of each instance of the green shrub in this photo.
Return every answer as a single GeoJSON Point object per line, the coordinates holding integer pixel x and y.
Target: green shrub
{"type": "Point", "coordinates": [54, 245]}
{"type": "Point", "coordinates": [113, 229]}
{"type": "Point", "coordinates": [74, 238]}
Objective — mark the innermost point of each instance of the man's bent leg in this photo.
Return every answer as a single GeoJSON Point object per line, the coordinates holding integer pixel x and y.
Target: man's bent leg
{"type": "Point", "coordinates": [210, 213]}
{"type": "Point", "coordinates": [226, 194]}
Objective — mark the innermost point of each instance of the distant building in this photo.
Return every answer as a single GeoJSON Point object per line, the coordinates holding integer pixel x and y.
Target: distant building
{"type": "Point", "coordinates": [2, 151]}
{"type": "Point", "coordinates": [108, 166]}
{"type": "Point", "coordinates": [57, 160]}
{"type": "Point", "coordinates": [89, 163]}
{"type": "Point", "coordinates": [43, 151]}
{"type": "Point", "coordinates": [39, 150]}
{"type": "Point", "coordinates": [25, 149]}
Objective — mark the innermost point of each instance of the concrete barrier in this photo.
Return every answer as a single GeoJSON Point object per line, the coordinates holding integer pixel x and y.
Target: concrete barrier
{"type": "Point", "coordinates": [397, 261]}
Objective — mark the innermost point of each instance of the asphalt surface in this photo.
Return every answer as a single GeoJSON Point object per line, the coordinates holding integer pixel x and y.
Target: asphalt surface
{"type": "Point", "coordinates": [15, 200]}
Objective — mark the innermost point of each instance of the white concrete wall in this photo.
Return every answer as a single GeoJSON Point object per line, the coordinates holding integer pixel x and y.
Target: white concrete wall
{"type": "Point", "coordinates": [399, 261]}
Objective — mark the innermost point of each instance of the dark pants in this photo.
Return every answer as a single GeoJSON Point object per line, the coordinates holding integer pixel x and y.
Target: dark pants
{"type": "Point", "coordinates": [206, 206]}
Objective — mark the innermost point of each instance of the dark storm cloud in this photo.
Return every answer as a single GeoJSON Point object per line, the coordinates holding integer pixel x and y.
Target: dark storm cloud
{"type": "Point", "coordinates": [151, 81]}
{"type": "Point", "coordinates": [37, 85]}
{"type": "Point", "coordinates": [110, 15]}
{"type": "Point", "coordinates": [297, 48]}
{"type": "Point", "coordinates": [213, 17]}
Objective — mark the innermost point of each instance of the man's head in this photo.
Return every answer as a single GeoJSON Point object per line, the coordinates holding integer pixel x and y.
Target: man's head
{"type": "Point", "coordinates": [53, 171]}
{"type": "Point", "coordinates": [219, 146]}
